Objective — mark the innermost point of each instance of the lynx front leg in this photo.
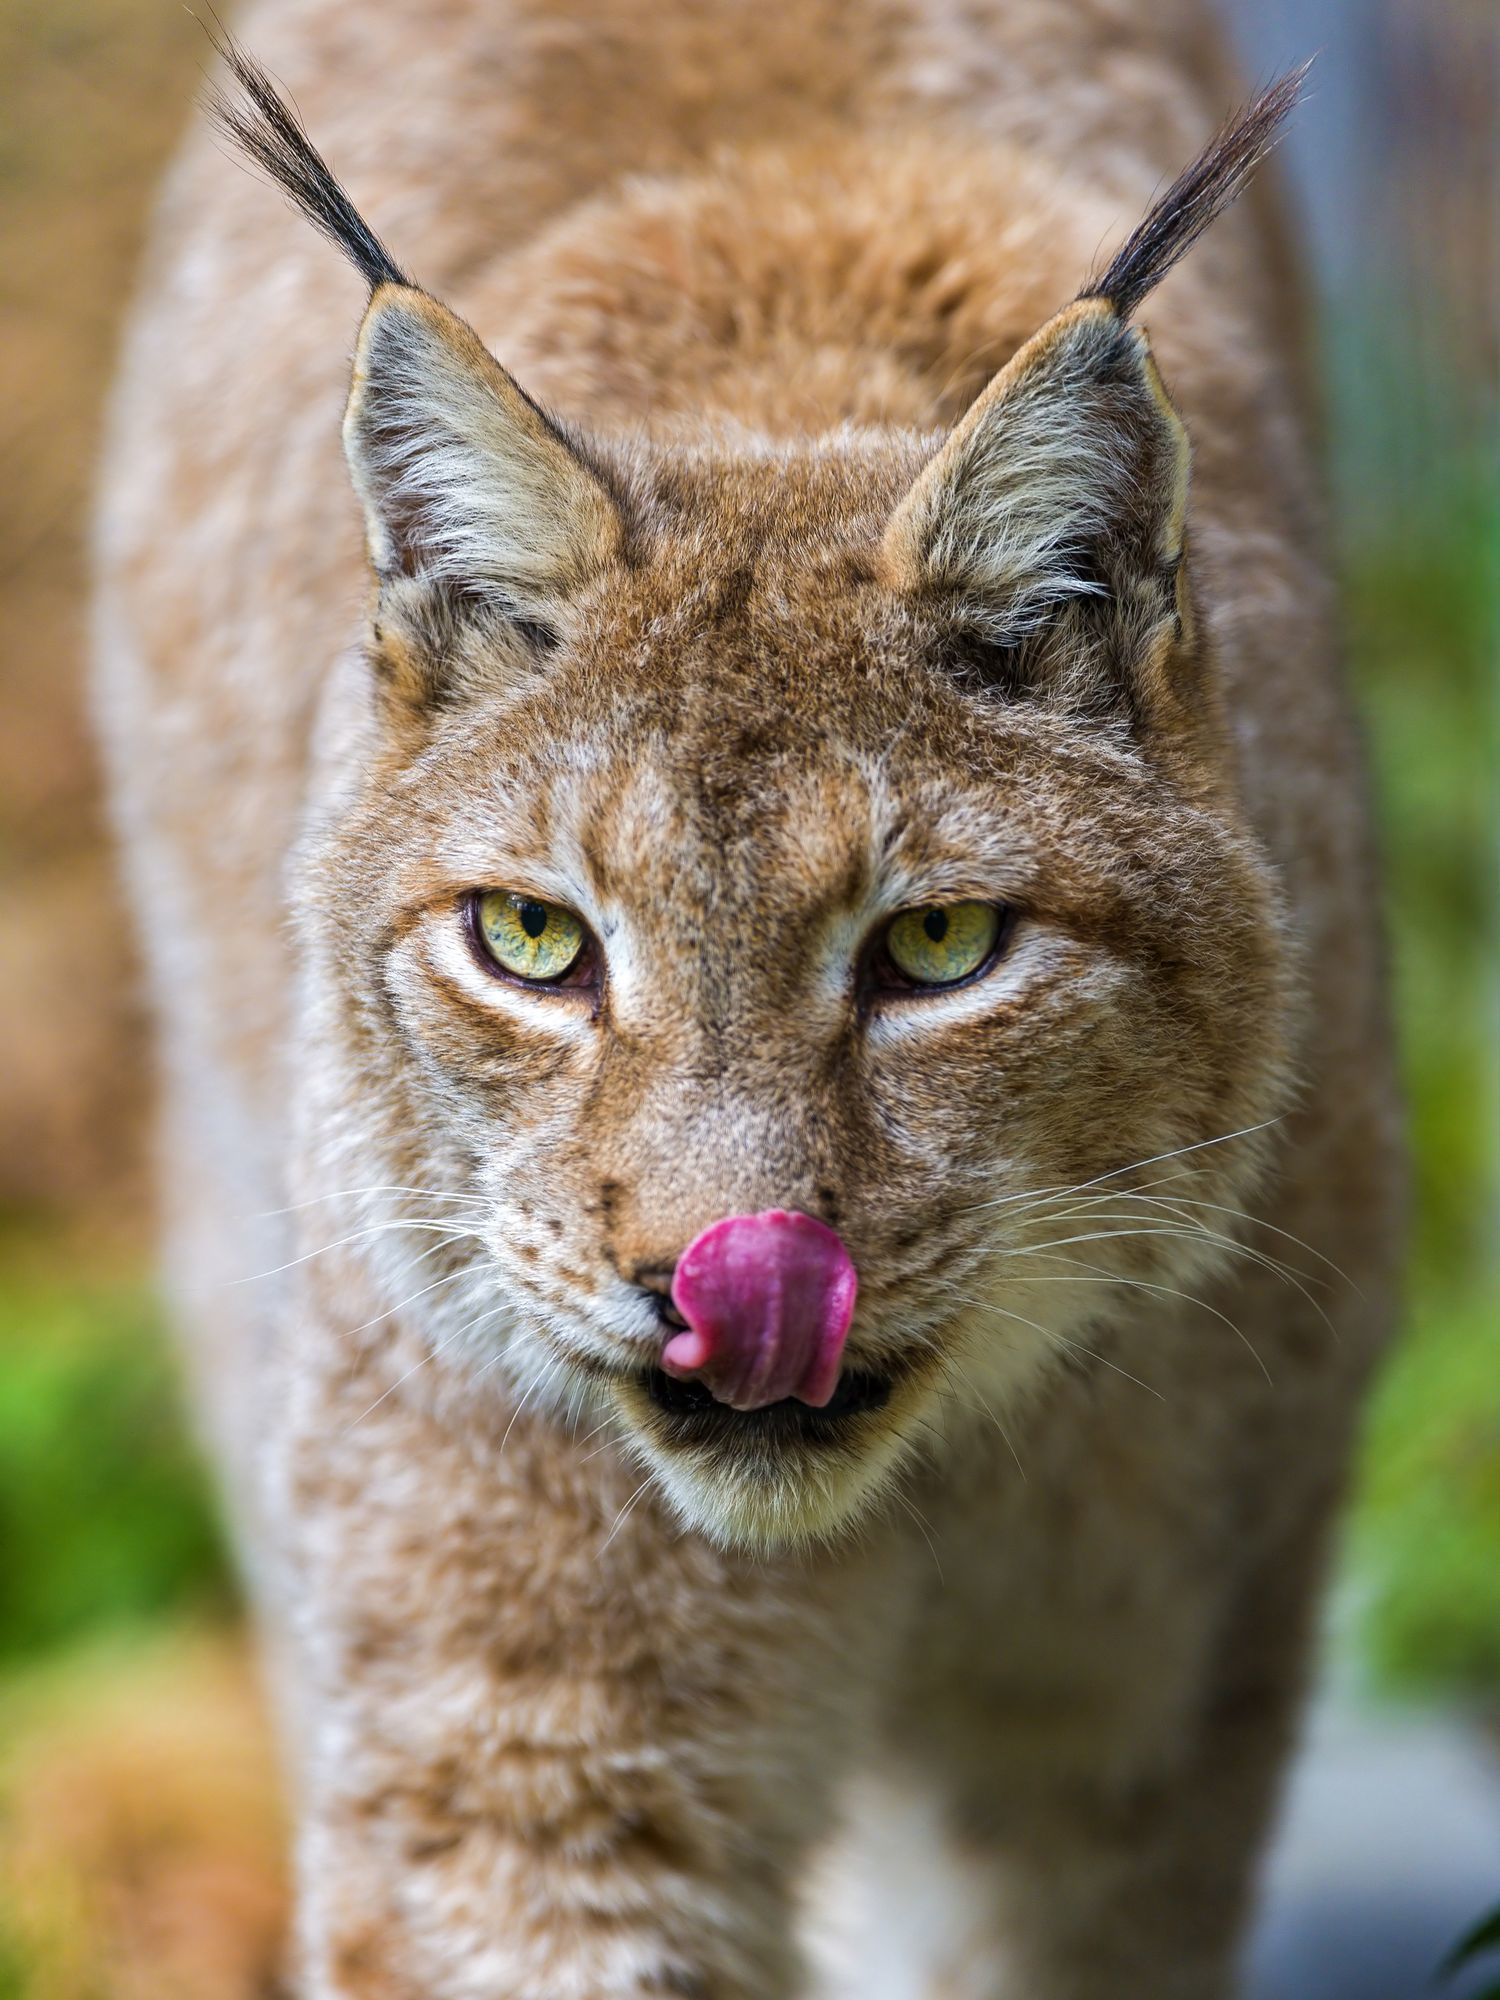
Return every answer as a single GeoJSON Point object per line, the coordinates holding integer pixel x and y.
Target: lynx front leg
{"type": "Point", "coordinates": [555, 1750]}
{"type": "Point", "coordinates": [1121, 1860]}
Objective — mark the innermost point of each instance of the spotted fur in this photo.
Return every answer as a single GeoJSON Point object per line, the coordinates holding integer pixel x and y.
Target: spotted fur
{"type": "Point", "coordinates": [828, 562]}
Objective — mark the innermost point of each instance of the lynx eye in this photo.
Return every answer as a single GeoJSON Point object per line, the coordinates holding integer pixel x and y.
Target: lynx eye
{"type": "Point", "coordinates": [526, 938]}
{"type": "Point", "coordinates": [942, 943]}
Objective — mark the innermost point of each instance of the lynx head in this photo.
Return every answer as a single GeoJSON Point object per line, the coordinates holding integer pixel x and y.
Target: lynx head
{"type": "Point", "coordinates": [793, 896]}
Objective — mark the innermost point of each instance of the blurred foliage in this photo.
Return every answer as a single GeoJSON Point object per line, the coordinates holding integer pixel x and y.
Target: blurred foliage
{"type": "Point", "coordinates": [1480, 1946]}
{"type": "Point", "coordinates": [104, 1513]}
{"type": "Point", "coordinates": [142, 1850]}
{"type": "Point", "coordinates": [93, 92]}
{"type": "Point", "coordinates": [1422, 608]}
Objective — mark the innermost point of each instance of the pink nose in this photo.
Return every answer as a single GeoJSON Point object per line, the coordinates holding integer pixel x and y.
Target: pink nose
{"type": "Point", "coordinates": [768, 1300]}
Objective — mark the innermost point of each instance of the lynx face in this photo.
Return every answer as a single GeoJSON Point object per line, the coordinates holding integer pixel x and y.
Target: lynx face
{"type": "Point", "coordinates": [826, 848]}
{"type": "Point", "coordinates": [756, 725]}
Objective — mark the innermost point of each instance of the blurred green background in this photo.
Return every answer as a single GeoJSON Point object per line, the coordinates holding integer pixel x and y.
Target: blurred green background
{"type": "Point", "coordinates": [138, 1836]}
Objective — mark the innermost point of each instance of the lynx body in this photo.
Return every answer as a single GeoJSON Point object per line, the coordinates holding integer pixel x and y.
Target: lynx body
{"type": "Point", "coordinates": [534, 876]}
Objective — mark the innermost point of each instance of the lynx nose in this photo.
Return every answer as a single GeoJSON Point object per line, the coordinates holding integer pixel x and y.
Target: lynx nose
{"type": "Point", "coordinates": [768, 1300]}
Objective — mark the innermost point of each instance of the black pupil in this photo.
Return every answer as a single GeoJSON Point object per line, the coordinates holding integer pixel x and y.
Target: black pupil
{"type": "Point", "coordinates": [533, 918]}
{"type": "Point", "coordinates": [935, 923]}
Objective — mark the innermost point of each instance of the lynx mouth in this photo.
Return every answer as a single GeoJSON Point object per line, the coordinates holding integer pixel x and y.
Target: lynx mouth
{"type": "Point", "coordinates": [689, 1415]}
{"type": "Point", "coordinates": [785, 1475]}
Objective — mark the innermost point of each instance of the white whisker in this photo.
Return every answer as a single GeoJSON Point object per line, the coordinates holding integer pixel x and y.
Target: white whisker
{"type": "Point", "coordinates": [463, 1271]}
{"type": "Point", "coordinates": [621, 1516]}
{"type": "Point", "coordinates": [1155, 1159]}
{"type": "Point", "coordinates": [1051, 1335]}
{"type": "Point", "coordinates": [922, 1528]}
{"type": "Point", "coordinates": [547, 1377]}
{"type": "Point", "coordinates": [350, 1194]}
{"type": "Point", "coordinates": [1167, 1291]}
{"type": "Point", "coordinates": [358, 1236]}
{"type": "Point", "coordinates": [417, 1366]}
{"type": "Point", "coordinates": [1182, 1201]}
{"type": "Point", "coordinates": [1193, 1231]}
{"type": "Point", "coordinates": [973, 1387]}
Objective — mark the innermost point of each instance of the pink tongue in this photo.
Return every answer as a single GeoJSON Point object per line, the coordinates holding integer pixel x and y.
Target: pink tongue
{"type": "Point", "coordinates": [768, 1300]}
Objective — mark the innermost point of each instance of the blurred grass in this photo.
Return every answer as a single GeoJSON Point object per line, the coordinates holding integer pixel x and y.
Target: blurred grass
{"type": "Point", "coordinates": [1423, 631]}
{"type": "Point", "coordinates": [141, 1841]}
{"type": "Point", "coordinates": [104, 1510]}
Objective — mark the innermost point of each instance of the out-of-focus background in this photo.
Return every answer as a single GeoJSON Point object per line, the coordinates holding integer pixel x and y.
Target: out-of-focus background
{"type": "Point", "coordinates": [139, 1834]}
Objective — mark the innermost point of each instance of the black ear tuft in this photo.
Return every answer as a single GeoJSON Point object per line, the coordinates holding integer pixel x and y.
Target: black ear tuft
{"type": "Point", "coordinates": [1199, 194]}
{"type": "Point", "coordinates": [262, 124]}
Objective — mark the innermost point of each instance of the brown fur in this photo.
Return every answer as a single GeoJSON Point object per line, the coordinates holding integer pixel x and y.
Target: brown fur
{"type": "Point", "coordinates": [793, 623]}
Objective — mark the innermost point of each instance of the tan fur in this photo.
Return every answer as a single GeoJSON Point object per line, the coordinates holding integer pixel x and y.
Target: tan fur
{"type": "Point", "coordinates": [568, 1705]}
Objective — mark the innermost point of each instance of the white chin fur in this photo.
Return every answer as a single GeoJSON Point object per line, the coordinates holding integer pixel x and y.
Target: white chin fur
{"type": "Point", "coordinates": [765, 1503]}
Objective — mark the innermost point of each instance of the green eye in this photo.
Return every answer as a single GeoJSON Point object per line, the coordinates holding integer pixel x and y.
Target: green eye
{"type": "Point", "coordinates": [943, 942]}
{"type": "Point", "coordinates": [529, 939]}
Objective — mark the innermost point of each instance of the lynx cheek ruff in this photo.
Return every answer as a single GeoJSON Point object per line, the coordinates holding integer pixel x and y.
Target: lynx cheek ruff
{"type": "Point", "coordinates": [768, 1300]}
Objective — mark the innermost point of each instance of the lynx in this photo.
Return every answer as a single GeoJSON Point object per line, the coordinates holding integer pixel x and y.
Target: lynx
{"type": "Point", "coordinates": [781, 1176]}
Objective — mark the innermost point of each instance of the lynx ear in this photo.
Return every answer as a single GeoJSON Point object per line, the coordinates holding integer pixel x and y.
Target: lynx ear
{"type": "Point", "coordinates": [465, 482]}
{"type": "Point", "coordinates": [1055, 511]}
{"type": "Point", "coordinates": [470, 492]}
{"type": "Point", "coordinates": [1064, 486]}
